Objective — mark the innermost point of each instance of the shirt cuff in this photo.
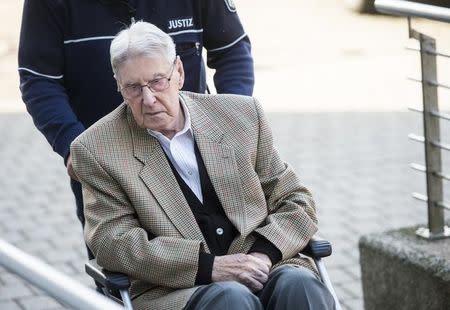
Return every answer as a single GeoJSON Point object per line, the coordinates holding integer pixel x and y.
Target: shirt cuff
{"type": "Point", "coordinates": [205, 265]}
{"type": "Point", "coordinates": [262, 245]}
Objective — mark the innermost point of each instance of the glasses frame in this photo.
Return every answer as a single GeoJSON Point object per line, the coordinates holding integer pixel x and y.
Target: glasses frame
{"type": "Point", "coordinates": [149, 84]}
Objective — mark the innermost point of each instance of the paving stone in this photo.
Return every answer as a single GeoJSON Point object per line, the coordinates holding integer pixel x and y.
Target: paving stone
{"type": "Point", "coordinates": [353, 304]}
{"type": "Point", "coordinates": [342, 293]}
{"type": "Point", "coordinates": [39, 292]}
{"type": "Point", "coordinates": [354, 271]}
{"type": "Point", "coordinates": [43, 232]}
{"type": "Point", "coordinates": [67, 268]}
{"type": "Point", "coordinates": [13, 237]}
{"type": "Point", "coordinates": [56, 255]}
{"type": "Point", "coordinates": [9, 305]}
{"type": "Point", "coordinates": [83, 278]}
{"type": "Point", "coordinates": [39, 303]}
{"type": "Point", "coordinates": [71, 239]}
{"type": "Point", "coordinates": [14, 290]}
{"type": "Point", "coordinates": [339, 276]}
{"type": "Point", "coordinates": [36, 290]}
{"type": "Point", "coordinates": [354, 288]}
{"type": "Point", "coordinates": [8, 278]}
{"type": "Point", "coordinates": [36, 246]}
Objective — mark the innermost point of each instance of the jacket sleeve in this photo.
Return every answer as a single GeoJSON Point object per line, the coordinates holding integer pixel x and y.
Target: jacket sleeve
{"type": "Point", "coordinates": [117, 239]}
{"type": "Point", "coordinates": [234, 68]}
{"type": "Point", "coordinates": [41, 71]}
{"type": "Point", "coordinates": [228, 48]}
{"type": "Point", "coordinates": [291, 220]}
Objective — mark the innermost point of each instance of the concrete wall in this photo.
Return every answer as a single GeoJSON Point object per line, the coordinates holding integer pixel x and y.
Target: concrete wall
{"type": "Point", "coordinates": [402, 271]}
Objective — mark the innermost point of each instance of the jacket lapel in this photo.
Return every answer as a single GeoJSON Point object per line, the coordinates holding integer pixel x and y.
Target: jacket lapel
{"type": "Point", "coordinates": [221, 165]}
{"type": "Point", "coordinates": [158, 177]}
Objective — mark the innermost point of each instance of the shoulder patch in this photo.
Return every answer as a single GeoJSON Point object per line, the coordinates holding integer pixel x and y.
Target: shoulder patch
{"type": "Point", "coordinates": [230, 5]}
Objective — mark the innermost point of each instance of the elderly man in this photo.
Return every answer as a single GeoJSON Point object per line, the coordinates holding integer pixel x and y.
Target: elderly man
{"type": "Point", "coordinates": [186, 194]}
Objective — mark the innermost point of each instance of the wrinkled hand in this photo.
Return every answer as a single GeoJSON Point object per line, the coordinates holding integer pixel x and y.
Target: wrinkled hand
{"type": "Point", "coordinates": [262, 257]}
{"type": "Point", "coordinates": [70, 171]}
{"type": "Point", "coordinates": [248, 270]}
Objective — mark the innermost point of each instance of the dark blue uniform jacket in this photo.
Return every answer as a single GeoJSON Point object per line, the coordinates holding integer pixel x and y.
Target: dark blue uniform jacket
{"type": "Point", "coordinates": [65, 74]}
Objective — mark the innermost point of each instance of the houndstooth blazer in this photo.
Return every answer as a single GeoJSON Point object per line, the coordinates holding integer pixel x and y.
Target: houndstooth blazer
{"type": "Point", "coordinates": [137, 220]}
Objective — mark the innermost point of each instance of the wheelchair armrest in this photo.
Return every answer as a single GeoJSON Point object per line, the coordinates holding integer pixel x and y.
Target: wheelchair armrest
{"type": "Point", "coordinates": [110, 280]}
{"type": "Point", "coordinates": [317, 248]}
{"type": "Point", "coordinates": [118, 281]}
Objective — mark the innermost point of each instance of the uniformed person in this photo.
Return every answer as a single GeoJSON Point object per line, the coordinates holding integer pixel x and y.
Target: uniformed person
{"type": "Point", "coordinates": [66, 79]}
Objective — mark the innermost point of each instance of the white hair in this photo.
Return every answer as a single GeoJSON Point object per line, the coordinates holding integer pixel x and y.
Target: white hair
{"type": "Point", "coordinates": [141, 39]}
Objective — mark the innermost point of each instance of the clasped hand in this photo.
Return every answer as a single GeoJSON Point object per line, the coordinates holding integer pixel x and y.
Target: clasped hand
{"type": "Point", "coordinates": [251, 270]}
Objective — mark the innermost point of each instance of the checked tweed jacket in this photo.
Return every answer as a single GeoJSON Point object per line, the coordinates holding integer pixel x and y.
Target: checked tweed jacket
{"type": "Point", "coordinates": [137, 219]}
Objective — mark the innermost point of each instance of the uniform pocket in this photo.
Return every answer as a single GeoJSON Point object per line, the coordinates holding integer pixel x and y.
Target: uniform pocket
{"type": "Point", "coordinates": [185, 49]}
{"type": "Point", "coordinates": [189, 48]}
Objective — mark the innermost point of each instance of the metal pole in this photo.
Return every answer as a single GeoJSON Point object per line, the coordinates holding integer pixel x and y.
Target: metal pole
{"type": "Point", "coordinates": [55, 283]}
{"type": "Point", "coordinates": [407, 8]}
{"type": "Point", "coordinates": [326, 280]}
{"type": "Point", "coordinates": [126, 299]}
{"type": "Point", "coordinates": [436, 224]}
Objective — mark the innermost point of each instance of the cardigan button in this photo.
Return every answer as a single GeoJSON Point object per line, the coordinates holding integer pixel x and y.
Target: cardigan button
{"type": "Point", "coordinates": [219, 231]}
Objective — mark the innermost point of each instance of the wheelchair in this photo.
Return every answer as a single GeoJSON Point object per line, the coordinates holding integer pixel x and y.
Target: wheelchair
{"type": "Point", "coordinates": [115, 285]}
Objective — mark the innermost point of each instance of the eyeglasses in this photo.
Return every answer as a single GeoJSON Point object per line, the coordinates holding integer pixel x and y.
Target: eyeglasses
{"type": "Point", "coordinates": [157, 85]}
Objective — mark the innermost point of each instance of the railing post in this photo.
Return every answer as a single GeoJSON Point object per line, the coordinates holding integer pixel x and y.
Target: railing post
{"type": "Point", "coordinates": [436, 224]}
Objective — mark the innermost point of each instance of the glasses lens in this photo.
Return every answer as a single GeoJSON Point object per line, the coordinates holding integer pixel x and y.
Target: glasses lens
{"type": "Point", "coordinates": [159, 84]}
{"type": "Point", "coordinates": [132, 91]}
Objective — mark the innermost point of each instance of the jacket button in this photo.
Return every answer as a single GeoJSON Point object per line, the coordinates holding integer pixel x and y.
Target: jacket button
{"type": "Point", "coordinates": [219, 231]}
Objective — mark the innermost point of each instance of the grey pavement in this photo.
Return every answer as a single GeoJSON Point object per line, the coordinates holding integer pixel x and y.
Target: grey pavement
{"type": "Point", "coordinates": [356, 165]}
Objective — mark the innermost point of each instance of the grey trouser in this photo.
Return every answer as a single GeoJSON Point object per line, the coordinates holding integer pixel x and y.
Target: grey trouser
{"type": "Point", "coordinates": [288, 287]}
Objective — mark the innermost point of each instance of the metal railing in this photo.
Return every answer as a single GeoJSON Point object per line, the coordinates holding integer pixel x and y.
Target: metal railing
{"type": "Point", "coordinates": [431, 115]}
{"type": "Point", "coordinates": [56, 284]}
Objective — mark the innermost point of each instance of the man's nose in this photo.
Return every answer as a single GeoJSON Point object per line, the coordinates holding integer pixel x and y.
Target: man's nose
{"type": "Point", "coordinates": [147, 96]}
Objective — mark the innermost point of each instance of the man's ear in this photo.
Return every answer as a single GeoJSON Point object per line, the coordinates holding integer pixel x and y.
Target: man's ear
{"type": "Point", "coordinates": [118, 88]}
{"type": "Point", "coordinates": [180, 70]}
{"type": "Point", "coordinates": [117, 83]}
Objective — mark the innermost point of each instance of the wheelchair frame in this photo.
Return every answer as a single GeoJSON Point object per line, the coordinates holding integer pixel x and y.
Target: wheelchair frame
{"type": "Point", "coordinates": [116, 284]}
